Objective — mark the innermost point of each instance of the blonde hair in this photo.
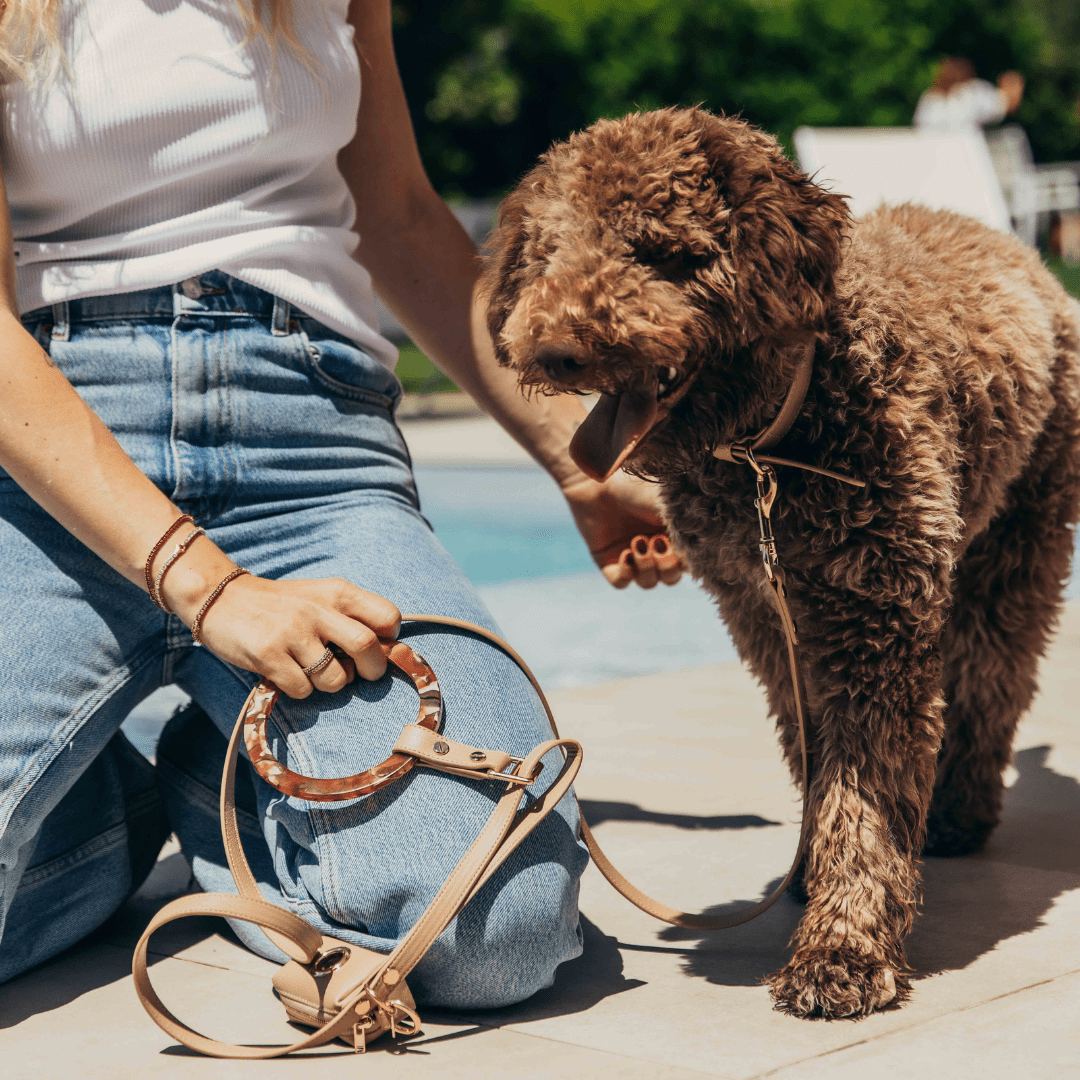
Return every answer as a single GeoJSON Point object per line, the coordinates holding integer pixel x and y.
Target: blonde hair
{"type": "Point", "coordinates": [30, 44]}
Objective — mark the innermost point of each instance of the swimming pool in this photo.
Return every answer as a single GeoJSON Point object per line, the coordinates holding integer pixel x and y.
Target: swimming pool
{"type": "Point", "coordinates": [501, 523]}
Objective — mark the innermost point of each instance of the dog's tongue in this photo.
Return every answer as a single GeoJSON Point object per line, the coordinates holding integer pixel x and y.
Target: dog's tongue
{"type": "Point", "coordinates": [608, 435]}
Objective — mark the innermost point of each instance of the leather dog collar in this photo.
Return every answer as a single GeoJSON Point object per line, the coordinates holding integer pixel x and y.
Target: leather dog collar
{"type": "Point", "coordinates": [770, 435]}
{"type": "Point", "coordinates": [781, 424]}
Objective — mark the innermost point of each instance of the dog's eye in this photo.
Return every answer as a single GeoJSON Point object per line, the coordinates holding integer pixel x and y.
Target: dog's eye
{"type": "Point", "coordinates": [661, 261]}
{"type": "Point", "coordinates": [668, 264]}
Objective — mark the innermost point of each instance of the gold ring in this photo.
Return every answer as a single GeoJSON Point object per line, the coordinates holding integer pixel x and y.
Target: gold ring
{"type": "Point", "coordinates": [320, 663]}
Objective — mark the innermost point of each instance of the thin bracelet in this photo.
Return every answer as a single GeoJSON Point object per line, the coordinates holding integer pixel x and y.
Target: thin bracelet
{"type": "Point", "coordinates": [176, 553]}
{"type": "Point", "coordinates": [157, 547]}
{"type": "Point", "coordinates": [196, 623]}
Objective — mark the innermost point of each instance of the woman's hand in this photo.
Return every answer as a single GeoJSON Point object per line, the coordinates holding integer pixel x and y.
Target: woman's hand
{"type": "Point", "coordinates": [611, 517]}
{"type": "Point", "coordinates": [277, 628]}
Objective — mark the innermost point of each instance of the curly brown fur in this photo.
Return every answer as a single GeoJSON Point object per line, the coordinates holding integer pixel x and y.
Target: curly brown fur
{"type": "Point", "coordinates": [947, 375]}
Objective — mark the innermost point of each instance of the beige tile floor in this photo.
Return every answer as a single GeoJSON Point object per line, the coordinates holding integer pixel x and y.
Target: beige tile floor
{"type": "Point", "coordinates": [684, 784]}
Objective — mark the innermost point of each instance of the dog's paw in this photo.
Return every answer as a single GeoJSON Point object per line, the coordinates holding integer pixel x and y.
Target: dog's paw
{"type": "Point", "coordinates": [835, 984]}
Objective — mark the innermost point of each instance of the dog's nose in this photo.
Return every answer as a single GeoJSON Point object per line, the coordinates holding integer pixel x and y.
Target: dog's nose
{"type": "Point", "coordinates": [561, 363]}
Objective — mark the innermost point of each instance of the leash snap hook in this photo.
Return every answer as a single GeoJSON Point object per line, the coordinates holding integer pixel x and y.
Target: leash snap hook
{"type": "Point", "coordinates": [766, 496]}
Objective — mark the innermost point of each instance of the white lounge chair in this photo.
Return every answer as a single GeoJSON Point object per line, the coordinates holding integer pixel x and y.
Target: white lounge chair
{"type": "Point", "coordinates": [939, 169]}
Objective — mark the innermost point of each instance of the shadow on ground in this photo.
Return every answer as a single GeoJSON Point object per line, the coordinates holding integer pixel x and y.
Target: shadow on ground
{"type": "Point", "coordinates": [102, 958]}
{"type": "Point", "coordinates": [579, 985]}
{"type": "Point", "coordinates": [597, 812]}
{"type": "Point", "coordinates": [598, 972]}
{"type": "Point", "coordinates": [970, 904]}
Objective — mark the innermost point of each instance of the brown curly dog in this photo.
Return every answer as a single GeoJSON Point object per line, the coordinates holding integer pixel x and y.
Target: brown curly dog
{"type": "Point", "coordinates": [677, 262]}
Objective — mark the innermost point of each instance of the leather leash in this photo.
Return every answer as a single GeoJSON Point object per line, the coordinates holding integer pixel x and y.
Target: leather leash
{"type": "Point", "coordinates": [621, 885]}
{"type": "Point", "coordinates": [747, 452]}
{"type": "Point", "coordinates": [506, 828]}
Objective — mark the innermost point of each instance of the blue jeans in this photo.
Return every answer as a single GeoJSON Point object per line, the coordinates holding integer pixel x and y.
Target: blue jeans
{"type": "Point", "coordinates": [278, 436]}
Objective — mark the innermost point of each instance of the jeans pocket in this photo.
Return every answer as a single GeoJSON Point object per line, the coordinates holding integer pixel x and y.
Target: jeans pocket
{"type": "Point", "coordinates": [345, 370]}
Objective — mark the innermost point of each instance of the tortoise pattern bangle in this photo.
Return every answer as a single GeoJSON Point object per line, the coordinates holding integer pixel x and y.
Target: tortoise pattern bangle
{"type": "Point", "coordinates": [177, 551]}
{"type": "Point", "coordinates": [154, 552]}
{"type": "Point", "coordinates": [196, 623]}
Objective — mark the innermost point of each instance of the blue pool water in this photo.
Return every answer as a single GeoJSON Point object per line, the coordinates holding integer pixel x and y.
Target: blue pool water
{"type": "Point", "coordinates": [502, 523]}
{"type": "Point", "coordinates": [511, 531]}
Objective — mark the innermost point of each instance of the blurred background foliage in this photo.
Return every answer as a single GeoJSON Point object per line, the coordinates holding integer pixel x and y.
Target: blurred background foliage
{"type": "Point", "coordinates": [492, 82]}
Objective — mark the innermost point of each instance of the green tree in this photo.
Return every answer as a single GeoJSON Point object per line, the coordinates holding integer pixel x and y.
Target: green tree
{"type": "Point", "coordinates": [493, 82]}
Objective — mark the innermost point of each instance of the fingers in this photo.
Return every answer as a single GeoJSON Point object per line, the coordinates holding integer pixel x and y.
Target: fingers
{"type": "Point", "coordinates": [644, 562]}
{"type": "Point", "coordinates": [669, 563]}
{"type": "Point", "coordinates": [350, 621]}
{"type": "Point", "coordinates": [620, 572]}
{"type": "Point", "coordinates": [313, 669]}
{"type": "Point", "coordinates": [359, 642]}
{"type": "Point", "coordinates": [320, 666]}
{"type": "Point", "coordinates": [647, 560]}
{"type": "Point", "coordinates": [373, 611]}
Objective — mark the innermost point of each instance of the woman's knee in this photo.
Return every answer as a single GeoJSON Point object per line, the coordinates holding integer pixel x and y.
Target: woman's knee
{"type": "Point", "coordinates": [506, 944]}
{"type": "Point", "coordinates": [350, 876]}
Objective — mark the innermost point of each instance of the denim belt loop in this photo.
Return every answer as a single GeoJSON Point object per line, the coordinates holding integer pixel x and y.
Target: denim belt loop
{"type": "Point", "coordinates": [61, 329]}
{"type": "Point", "coordinates": [279, 320]}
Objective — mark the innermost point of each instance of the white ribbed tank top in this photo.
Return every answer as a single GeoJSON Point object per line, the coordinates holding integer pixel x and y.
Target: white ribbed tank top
{"type": "Point", "coordinates": [163, 150]}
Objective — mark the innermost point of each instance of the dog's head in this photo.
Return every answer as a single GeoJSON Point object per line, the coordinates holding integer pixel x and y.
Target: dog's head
{"type": "Point", "coordinates": [641, 249]}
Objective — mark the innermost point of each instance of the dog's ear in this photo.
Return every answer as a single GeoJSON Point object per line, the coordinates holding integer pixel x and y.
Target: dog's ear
{"type": "Point", "coordinates": [784, 233]}
{"type": "Point", "coordinates": [505, 264]}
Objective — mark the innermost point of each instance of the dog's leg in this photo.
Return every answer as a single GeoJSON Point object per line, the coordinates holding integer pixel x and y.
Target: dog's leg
{"type": "Point", "coordinates": [877, 733]}
{"type": "Point", "coordinates": [1007, 597]}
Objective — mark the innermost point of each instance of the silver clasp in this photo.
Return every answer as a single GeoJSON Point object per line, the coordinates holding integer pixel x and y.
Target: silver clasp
{"type": "Point", "coordinates": [766, 496]}
{"type": "Point", "coordinates": [512, 777]}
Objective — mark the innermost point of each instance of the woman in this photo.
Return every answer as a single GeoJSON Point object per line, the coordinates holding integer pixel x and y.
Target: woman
{"type": "Point", "coordinates": [958, 101]}
{"type": "Point", "coordinates": [197, 339]}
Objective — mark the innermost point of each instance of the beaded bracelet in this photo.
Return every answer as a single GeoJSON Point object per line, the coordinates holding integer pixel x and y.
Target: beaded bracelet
{"type": "Point", "coordinates": [156, 548]}
{"type": "Point", "coordinates": [196, 623]}
{"type": "Point", "coordinates": [176, 553]}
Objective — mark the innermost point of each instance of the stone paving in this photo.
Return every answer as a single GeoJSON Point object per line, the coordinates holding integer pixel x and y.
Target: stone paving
{"type": "Point", "coordinates": [683, 783]}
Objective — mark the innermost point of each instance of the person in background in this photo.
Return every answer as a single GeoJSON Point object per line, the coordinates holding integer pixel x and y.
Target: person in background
{"type": "Point", "coordinates": [958, 100]}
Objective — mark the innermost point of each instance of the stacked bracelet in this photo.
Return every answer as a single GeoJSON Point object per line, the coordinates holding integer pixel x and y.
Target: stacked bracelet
{"type": "Point", "coordinates": [153, 585]}
{"type": "Point", "coordinates": [179, 550]}
{"type": "Point", "coordinates": [154, 552]}
{"type": "Point", "coordinates": [196, 623]}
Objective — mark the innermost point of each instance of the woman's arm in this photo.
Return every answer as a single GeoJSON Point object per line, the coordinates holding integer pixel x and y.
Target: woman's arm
{"type": "Point", "coordinates": [426, 269]}
{"type": "Point", "coordinates": [422, 261]}
{"type": "Point", "coordinates": [60, 453]}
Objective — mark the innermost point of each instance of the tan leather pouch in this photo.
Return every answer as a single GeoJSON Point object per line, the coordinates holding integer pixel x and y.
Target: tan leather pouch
{"type": "Point", "coordinates": [312, 993]}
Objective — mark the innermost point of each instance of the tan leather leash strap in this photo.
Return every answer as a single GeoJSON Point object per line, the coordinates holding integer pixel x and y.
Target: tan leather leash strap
{"type": "Point", "coordinates": [506, 828]}
{"type": "Point", "coordinates": [636, 897]}
{"type": "Point", "coordinates": [730, 453]}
